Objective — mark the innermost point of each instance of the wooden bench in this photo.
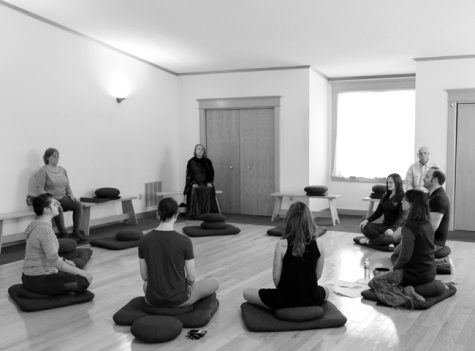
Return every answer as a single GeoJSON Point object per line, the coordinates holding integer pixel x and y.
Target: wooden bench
{"type": "Point", "coordinates": [278, 197]}
{"type": "Point", "coordinates": [128, 214]}
{"type": "Point", "coordinates": [370, 205]}
{"type": "Point", "coordinates": [162, 194]}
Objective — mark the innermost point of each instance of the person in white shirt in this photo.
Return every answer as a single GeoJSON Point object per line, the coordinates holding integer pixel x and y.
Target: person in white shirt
{"type": "Point", "coordinates": [417, 171]}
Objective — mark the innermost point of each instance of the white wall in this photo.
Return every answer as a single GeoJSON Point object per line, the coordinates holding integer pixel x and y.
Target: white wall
{"type": "Point", "coordinates": [291, 85]}
{"type": "Point", "coordinates": [56, 92]}
{"type": "Point", "coordinates": [319, 135]}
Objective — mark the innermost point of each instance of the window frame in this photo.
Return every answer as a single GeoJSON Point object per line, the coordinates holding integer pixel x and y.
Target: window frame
{"type": "Point", "coordinates": [338, 86]}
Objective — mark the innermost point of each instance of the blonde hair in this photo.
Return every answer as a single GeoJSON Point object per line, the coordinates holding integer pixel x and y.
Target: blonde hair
{"type": "Point", "coordinates": [299, 228]}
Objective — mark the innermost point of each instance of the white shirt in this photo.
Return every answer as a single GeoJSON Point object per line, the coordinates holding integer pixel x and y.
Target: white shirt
{"type": "Point", "coordinates": [415, 175]}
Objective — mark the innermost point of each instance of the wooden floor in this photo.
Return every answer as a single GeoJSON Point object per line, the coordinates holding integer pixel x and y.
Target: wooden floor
{"type": "Point", "coordinates": [242, 261]}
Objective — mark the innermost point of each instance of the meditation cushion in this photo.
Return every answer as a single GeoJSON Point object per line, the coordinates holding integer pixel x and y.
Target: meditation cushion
{"type": "Point", "coordinates": [197, 231]}
{"type": "Point", "coordinates": [369, 294]}
{"type": "Point", "coordinates": [213, 225]}
{"type": "Point", "coordinates": [299, 314]}
{"type": "Point", "coordinates": [128, 235]}
{"type": "Point", "coordinates": [316, 190]}
{"type": "Point", "coordinates": [66, 246]}
{"type": "Point", "coordinates": [379, 188]}
{"type": "Point", "coordinates": [156, 328]}
{"type": "Point", "coordinates": [211, 217]}
{"type": "Point", "coordinates": [276, 231]}
{"type": "Point", "coordinates": [107, 193]}
{"type": "Point", "coordinates": [96, 200]}
{"type": "Point", "coordinates": [167, 311]}
{"type": "Point", "coordinates": [442, 252]}
{"type": "Point", "coordinates": [386, 248]}
{"type": "Point", "coordinates": [29, 301]}
{"type": "Point", "coordinates": [443, 265]}
{"type": "Point", "coordinates": [201, 314]}
{"type": "Point", "coordinates": [80, 256]}
{"type": "Point", "coordinates": [259, 319]}
{"type": "Point", "coordinates": [112, 243]}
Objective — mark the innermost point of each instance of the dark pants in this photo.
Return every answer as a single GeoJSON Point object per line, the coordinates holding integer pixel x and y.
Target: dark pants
{"type": "Point", "coordinates": [201, 200]}
{"type": "Point", "coordinates": [67, 204]}
{"type": "Point", "coordinates": [375, 233]}
{"type": "Point", "coordinates": [55, 284]}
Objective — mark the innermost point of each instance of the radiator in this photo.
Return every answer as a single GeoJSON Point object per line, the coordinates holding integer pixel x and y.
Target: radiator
{"type": "Point", "coordinates": [151, 198]}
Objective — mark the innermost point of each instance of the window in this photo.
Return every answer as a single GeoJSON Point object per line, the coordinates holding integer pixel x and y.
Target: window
{"type": "Point", "coordinates": [375, 126]}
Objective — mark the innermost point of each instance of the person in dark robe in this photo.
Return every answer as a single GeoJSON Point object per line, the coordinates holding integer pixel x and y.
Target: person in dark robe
{"type": "Point", "coordinates": [199, 189]}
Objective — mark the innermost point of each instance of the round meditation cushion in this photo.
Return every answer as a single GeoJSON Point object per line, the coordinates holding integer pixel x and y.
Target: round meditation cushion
{"type": "Point", "coordinates": [213, 225]}
{"type": "Point", "coordinates": [212, 217]}
{"type": "Point", "coordinates": [107, 193]}
{"type": "Point", "coordinates": [196, 231]}
{"type": "Point", "coordinates": [299, 314]}
{"type": "Point", "coordinates": [128, 235]}
{"type": "Point", "coordinates": [276, 231]}
{"type": "Point", "coordinates": [316, 190]}
{"type": "Point", "coordinates": [66, 245]}
{"type": "Point", "coordinates": [156, 328]}
{"type": "Point", "coordinates": [379, 188]}
{"type": "Point", "coordinates": [442, 252]}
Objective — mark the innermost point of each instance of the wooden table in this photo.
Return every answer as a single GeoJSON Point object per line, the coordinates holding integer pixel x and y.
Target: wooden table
{"type": "Point", "coordinates": [278, 198]}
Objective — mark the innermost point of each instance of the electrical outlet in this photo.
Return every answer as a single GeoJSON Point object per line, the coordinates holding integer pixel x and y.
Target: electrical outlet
{"type": "Point", "coordinates": [140, 196]}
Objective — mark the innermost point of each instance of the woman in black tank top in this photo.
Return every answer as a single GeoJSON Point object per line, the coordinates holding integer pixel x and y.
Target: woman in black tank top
{"type": "Point", "coordinates": [298, 264]}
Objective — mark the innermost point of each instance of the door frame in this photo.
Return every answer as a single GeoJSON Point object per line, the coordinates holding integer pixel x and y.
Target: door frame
{"type": "Point", "coordinates": [244, 103]}
{"type": "Point", "coordinates": [454, 97]}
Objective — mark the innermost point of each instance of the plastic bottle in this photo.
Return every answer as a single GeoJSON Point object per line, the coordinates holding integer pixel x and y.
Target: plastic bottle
{"type": "Point", "coordinates": [367, 271]}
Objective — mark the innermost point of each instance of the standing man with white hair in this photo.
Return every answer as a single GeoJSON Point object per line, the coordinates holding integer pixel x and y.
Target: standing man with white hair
{"type": "Point", "coordinates": [417, 171]}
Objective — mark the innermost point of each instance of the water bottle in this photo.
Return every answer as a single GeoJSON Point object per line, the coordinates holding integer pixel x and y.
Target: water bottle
{"type": "Point", "coordinates": [367, 271]}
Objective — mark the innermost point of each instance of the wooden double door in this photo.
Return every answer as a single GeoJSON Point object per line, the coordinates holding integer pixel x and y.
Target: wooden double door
{"type": "Point", "coordinates": [240, 143]}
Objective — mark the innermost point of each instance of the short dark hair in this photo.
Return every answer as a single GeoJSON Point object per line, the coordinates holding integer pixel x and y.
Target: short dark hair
{"type": "Point", "coordinates": [419, 200]}
{"type": "Point", "coordinates": [41, 202]}
{"type": "Point", "coordinates": [439, 175]}
{"type": "Point", "coordinates": [167, 208]}
{"type": "Point", "coordinates": [48, 153]}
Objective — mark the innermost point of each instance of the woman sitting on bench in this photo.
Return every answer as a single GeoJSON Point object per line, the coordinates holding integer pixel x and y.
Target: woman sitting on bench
{"type": "Point", "coordinates": [44, 272]}
{"type": "Point", "coordinates": [167, 264]}
{"type": "Point", "coordinates": [298, 264]}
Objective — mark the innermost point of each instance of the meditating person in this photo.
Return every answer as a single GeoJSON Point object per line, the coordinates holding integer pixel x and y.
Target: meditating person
{"type": "Point", "coordinates": [199, 189]}
{"type": "Point", "coordinates": [53, 179]}
{"type": "Point", "coordinates": [167, 264]}
{"type": "Point", "coordinates": [44, 272]}
{"type": "Point", "coordinates": [382, 234]}
{"type": "Point", "coordinates": [298, 264]}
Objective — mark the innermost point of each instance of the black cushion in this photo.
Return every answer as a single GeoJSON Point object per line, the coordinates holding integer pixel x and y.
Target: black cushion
{"type": "Point", "coordinates": [211, 217]}
{"type": "Point", "coordinates": [107, 193]}
{"type": "Point", "coordinates": [385, 248]}
{"type": "Point", "coordinates": [29, 301]}
{"type": "Point", "coordinates": [299, 314]}
{"type": "Point", "coordinates": [66, 245]}
{"type": "Point", "coordinates": [316, 190]}
{"type": "Point", "coordinates": [128, 235]}
{"type": "Point", "coordinates": [197, 231]}
{"type": "Point", "coordinates": [260, 319]}
{"type": "Point", "coordinates": [276, 231]}
{"type": "Point", "coordinates": [379, 188]}
{"type": "Point", "coordinates": [443, 265]}
{"type": "Point", "coordinates": [167, 311]}
{"type": "Point", "coordinates": [156, 328]}
{"type": "Point", "coordinates": [80, 256]}
{"type": "Point", "coordinates": [201, 314]}
{"type": "Point", "coordinates": [95, 200]}
{"type": "Point", "coordinates": [442, 252]}
{"type": "Point", "coordinates": [213, 225]}
{"type": "Point", "coordinates": [112, 243]}
{"type": "Point", "coordinates": [369, 294]}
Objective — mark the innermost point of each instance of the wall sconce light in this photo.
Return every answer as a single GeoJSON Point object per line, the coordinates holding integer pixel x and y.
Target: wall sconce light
{"type": "Point", "coordinates": [120, 99]}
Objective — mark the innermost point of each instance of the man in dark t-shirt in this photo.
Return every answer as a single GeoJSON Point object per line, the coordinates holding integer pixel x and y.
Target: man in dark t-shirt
{"type": "Point", "coordinates": [439, 205]}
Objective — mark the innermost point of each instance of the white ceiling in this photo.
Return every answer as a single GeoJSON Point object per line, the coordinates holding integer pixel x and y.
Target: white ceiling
{"type": "Point", "coordinates": [336, 37]}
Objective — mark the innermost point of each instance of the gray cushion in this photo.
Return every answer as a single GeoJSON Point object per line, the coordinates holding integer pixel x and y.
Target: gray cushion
{"type": "Point", "coordinates": [113, 244]}
{"type": "Point", "coordinates": [156, 328]}
{"type": "Point", "coordinates": [213, 225]}
{"type": "Point", "coordinates": [197, 231]}
{"type": "Point", "coordinates": [107, 193]}
{"type": "Point", "coordinates": [299, 314]}
{"type": "Point", "coordinates": [316, 190]}
{"type": "Point", "coordinates": [276, 231]}
{"type": "Point", "coordinates": [29, 301]}
{"type": "Point", "coordinates": [260, 319]}
{"type": "Point", "coordinates": [167, 311]}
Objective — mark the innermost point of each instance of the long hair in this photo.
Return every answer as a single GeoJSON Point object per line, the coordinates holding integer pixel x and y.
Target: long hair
{"type": "Point", "coordinates": [397, 184]}
{"type": "Point", "coordinates": [48, 153]}
{"type": "Point", "coordinates": [205, 154]}
{"type": "Point", "coordinates": [299, 227]}
{"type": "Point", "coordinates": [419, 201]}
